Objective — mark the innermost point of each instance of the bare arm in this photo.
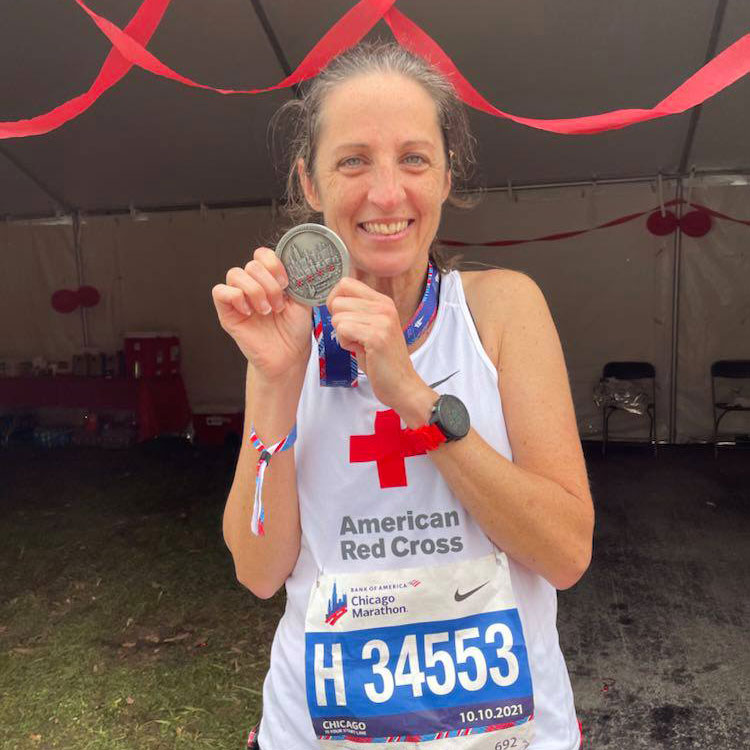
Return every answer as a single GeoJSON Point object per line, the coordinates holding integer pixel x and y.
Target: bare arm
{"type": "Point", "coordinates": [537, 508]}
{"type": "Point", "coordinates": [274, 335]}
{"type": "Point", "coordinates": [263, 563]}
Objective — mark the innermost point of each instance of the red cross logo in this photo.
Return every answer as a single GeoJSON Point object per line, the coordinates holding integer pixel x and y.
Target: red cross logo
{"type": "Point", "coordinates": [388, 447]}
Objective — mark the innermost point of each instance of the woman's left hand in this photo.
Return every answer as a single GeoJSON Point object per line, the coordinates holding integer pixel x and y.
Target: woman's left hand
{"type": "Point", "coordinates": [367, 324]}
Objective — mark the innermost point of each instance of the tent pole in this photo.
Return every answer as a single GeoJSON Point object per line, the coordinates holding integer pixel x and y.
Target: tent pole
{"type": "Point", "coordinates": [273, 40]}
{"type": "Point", "coordinates": [675, 319]}
{"type": "Point", "coordinates": [78, 252]}
{"type": "Point", "coordinates": [713, 43]}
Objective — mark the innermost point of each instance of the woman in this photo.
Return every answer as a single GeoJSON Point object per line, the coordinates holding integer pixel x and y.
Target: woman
{"type": "Point", "coordinates": [420, 537]}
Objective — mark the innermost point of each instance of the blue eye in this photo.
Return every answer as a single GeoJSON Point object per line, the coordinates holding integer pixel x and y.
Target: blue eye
{"type": "Point", "coordinates": [415, 159]}
{"type": "Point", "coordinates": [351, 161]}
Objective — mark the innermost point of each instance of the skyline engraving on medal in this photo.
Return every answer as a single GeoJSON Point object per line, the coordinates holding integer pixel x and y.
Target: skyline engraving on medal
{"type": "Point", "coordinates": [315, 259]}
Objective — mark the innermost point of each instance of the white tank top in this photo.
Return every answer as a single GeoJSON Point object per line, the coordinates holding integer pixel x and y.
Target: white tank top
{"type": "Point", "coordinates": [350, 524]}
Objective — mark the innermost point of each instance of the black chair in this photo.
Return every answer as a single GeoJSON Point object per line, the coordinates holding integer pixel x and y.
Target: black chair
{"type": "Point", "coordinates": [726, 368]}
{"type": "Point", "coordinates": [629, 371]}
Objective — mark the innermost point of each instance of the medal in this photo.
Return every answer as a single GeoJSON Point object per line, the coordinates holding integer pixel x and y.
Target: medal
{"type": "Point", "coordinates": [315, 259]}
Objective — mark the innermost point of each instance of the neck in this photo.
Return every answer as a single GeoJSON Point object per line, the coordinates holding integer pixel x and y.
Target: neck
{"type": "Point", "coordinates": [405, 290]}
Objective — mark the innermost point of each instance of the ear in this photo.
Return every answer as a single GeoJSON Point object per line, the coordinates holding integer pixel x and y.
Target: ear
{"type": "Point", "coordinates": [308, 187]}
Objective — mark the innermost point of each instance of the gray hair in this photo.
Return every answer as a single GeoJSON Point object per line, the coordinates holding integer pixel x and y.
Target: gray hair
{"type": "Point", "coordinates": [299, 121]}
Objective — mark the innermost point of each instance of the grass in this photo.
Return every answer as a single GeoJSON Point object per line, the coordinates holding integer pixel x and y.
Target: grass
{"type": "Point", "coordinates": [121, 622]}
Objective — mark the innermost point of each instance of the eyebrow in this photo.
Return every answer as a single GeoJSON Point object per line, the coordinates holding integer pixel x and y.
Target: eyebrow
{"type": "Point", "coordinates": [405, 144]}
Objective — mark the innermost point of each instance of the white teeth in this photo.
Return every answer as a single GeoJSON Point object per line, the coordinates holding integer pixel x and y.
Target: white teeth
{"type": "Point", "coordinates": [395, 227]}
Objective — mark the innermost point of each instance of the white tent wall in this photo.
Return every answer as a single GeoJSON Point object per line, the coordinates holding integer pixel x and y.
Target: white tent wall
{"type": "Point", "coordinates": [714, 316]}
{"type": "Point", "coordinates": [35, 261]}
{"type": "Point", "coordinates": [609, 291]}
{"type": "Point", "coordinates": [156, 274]}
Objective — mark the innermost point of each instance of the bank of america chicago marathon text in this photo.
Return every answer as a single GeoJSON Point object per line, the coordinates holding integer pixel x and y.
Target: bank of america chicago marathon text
{"type": "Point", "coordinates": [400, 545]}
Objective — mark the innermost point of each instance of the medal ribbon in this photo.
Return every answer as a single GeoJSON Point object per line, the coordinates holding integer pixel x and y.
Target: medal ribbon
{"type": "Point", "coordinates": [338, 367]}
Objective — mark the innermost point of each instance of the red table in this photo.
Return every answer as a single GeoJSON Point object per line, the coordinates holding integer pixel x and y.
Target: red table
{"type": "Point", "coordinates": [159, 404]}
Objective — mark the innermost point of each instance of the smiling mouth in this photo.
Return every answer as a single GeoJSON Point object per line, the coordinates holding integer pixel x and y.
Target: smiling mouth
{"type": "Point", "coordinates": [385, 228]}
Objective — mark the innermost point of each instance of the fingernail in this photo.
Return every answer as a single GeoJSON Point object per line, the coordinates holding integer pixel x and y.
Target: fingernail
{"type": "Point", "coordinates": [283, 283]}
{"type": "Point", "coordinates": [279, 306]}
{"type": "Point", "coordinates": [265, 308]}
{"type": "Point", "coordinates": [247, 309]}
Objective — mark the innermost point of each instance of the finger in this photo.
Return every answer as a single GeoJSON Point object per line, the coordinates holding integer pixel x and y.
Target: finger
{"type": "Point", "coordinates": [342, 304]}
{"type": "Point", "coordinates": [254, 293]}
{"type": "Point", "coordinates": [352, 330]}
{"type": "Point", "coordinates": [228, 299]}
{"type": "Point", "coordinates": [274, 293]}
{"type": "Point", "coordinates": [349, 287]}
{"type": "Point", "coordinates": [271, 261]}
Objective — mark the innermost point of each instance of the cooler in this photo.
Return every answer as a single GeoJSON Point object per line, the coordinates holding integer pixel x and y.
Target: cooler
{"type": "Point", "coordinates": [217, 424]}
{"type": "Point", "coordinates": [152, 354]}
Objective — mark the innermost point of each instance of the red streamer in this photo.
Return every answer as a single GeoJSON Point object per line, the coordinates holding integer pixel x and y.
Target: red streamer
{"type": "Point", "coordinates": [140, 29]}
{"type": "Point", "coordinates": [672, 223]}
{"type": "Point", "coordinates": [129, 48]}
{"type": "Point", "coordinates": [726, 68]}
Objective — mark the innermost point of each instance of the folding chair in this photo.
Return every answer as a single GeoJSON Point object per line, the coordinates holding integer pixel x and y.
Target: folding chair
{"type": "Point", "coordinates": [726, 368]}
{"type": "Point", "coordinates": [629, 371]}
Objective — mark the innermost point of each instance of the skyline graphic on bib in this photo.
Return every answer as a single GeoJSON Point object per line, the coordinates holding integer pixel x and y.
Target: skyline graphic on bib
{"type": "Point", "coordinates": [336, 607]}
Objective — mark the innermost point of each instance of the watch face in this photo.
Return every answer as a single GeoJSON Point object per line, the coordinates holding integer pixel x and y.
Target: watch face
{"type": "Point", "coordinates": [452, 417]}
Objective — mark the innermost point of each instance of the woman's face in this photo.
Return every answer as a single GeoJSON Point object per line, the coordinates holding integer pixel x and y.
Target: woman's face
{"type": "Point", "coordinates": [380, 175]}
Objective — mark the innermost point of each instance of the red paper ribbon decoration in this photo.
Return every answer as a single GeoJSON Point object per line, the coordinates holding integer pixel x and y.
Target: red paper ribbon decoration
{"type": "Point", "coordinates": [129, 48]}
{"type": "Point", "coordinates": [661, 225]}
{"type": "Point", "coordinates": [696, 223]}
{"type": "Point", "coordinates": [717, 74]}
{"type": "Point", "coordinates": [65, 301]}
{"type": "Point", "coordinates": [141, 29]}
{"type": "Point", "coordinates": [88, 296]}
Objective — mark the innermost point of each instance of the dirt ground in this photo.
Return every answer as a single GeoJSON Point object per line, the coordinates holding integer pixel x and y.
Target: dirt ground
{"type": "Point", "coordinates": [122, 625]}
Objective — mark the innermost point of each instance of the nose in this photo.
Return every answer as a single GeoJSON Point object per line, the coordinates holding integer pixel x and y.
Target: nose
{"type": "Point", "coordinates": [386, 190]}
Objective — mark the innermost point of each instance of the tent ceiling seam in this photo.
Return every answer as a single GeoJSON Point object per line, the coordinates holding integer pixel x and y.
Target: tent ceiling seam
{"type": "Point", "coordinates": [268, 202]}
{"type": "Point", "coordinates": [26, 172]}
{"type": "Point", "coordinates": [713, 42]}
{"type": "Point", "coordinates": [273, 40]}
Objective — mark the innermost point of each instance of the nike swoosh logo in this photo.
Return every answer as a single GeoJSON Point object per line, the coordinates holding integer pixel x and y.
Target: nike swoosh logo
{"type": "Point", "coordinates": [440, 382]}
{"type": "Point", "coordinates": [460, 597]}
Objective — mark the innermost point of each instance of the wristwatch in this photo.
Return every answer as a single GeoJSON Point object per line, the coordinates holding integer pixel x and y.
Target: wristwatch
{"type": "Point", "coordinates": [451, 417]}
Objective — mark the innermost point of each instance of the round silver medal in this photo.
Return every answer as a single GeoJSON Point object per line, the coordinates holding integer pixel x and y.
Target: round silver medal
{"type": "Point", "coordinates": [315, 258]}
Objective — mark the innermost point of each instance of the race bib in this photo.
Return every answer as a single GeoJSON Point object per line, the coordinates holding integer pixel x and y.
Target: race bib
{"type": "Point", "coordinates": [432, 655]}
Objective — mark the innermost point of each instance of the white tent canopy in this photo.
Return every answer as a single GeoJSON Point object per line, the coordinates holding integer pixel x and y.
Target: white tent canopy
{"type": "Point", "coordinates": [154, 144]}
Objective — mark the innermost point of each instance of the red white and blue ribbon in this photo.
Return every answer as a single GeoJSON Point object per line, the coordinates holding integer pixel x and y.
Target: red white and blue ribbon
{"type": "Point", "coordinates": [338, 367]}
{"type": "Point", "coordinates": [259, 515]}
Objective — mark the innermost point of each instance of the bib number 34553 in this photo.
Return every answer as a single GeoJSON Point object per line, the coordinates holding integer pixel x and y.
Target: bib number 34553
{"type": "Point", "coordinates": [420, 678]}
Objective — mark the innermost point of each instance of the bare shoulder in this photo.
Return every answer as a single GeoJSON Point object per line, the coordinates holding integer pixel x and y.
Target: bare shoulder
{"type": "Point", "coordinates": [496, 298]}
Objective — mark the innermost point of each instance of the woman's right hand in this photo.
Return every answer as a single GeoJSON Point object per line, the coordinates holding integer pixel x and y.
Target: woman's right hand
{"type": "Point", "coordinates": [270, 328]}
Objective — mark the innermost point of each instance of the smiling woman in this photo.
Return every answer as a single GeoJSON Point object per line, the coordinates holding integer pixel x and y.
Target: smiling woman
{"type": "Point", "coordinates": [467, 656]}
{"type": "Point", "coordinates": [296, 126]}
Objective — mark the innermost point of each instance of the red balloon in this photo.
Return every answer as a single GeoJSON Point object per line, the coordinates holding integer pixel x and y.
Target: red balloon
{"type": "Point", "coordinates": [88, 296]}
{"type": "Point", "coordinates": [696, 223]}
{"type": "Point", "coordinates": [661, 225]}
{"type": "Point", "coordinates": [65, 300]}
